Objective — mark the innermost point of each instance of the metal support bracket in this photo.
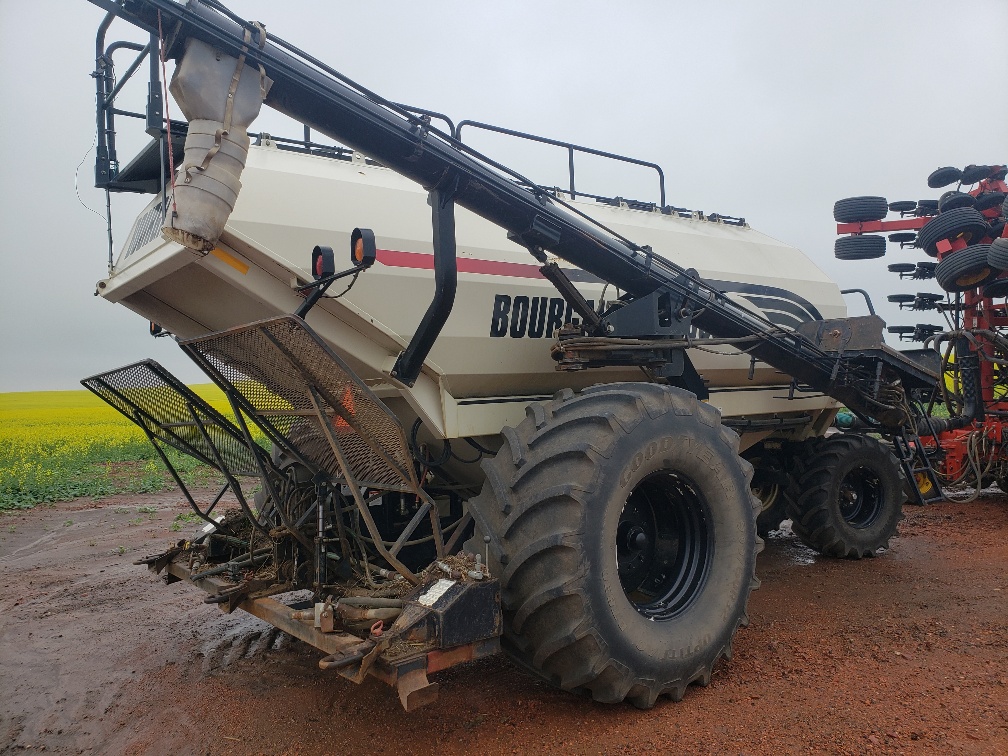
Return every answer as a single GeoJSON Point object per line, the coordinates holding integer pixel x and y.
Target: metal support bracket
{"type": "Point", "coordinates": [555, 275]}
{"type": "Point", "coordinates": [280, 376]}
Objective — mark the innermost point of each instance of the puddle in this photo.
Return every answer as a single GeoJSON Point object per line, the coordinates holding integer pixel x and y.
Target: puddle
{"type": "Point", "coordinates": [790, 547]}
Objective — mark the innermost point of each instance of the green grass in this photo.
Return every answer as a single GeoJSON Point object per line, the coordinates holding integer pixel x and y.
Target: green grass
{"type": "Point", "coordinates": [59, 445]}
{"type": "Point", "coordinates": [183, 519]}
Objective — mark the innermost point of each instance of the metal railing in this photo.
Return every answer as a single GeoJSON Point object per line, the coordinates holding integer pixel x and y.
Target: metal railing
{"type": "Point", "coordinates": [571, 149]}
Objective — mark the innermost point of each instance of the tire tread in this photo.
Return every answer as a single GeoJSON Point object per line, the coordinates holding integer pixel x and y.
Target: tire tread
{"type": "Point", "coordinates": [547, 627]}
{"type": "Point", "coordinates": [812, 517]}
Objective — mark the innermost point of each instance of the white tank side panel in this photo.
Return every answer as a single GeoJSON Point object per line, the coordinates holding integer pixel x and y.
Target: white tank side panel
{"type": "Point", "coordinates": [290, 202]}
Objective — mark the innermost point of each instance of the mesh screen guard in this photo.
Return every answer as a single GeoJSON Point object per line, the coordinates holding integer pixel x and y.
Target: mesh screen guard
{"type": "Point", "coordinates": [280, 368]}
{"type": "Point", "coordinates": [171, 413]}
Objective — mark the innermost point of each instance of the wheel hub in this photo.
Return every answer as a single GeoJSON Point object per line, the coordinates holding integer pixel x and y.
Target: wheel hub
{"type": "Point", "coordinates": [664, 545]}
{"type": "Point", "coordinates": [861, 497]}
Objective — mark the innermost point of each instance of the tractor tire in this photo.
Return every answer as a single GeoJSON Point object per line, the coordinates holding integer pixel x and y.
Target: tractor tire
{"type": "Point", "coordinates": [926, 207]}
{"type": "Point", "coordinates": [623, 532]}
{"type": "Point", "coordinates": [849, 497]}
{"type": "Point", "coordinates": [860, 209]}
{"type": "Point", "coordinates": [943, 177]}
{"type": "Point", "coordinates": [964, 222]}
{"type": "Point", "coordinates": [966, 269]}
{"type": "Point", "coordinates": [859, 247]}
{"type": "Point", "coordinates": [903, 237]}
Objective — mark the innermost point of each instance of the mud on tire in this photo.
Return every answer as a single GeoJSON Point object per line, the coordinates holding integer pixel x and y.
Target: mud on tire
{"type": "Point", "coordinates": [622, 529]}
{"type": "Point", "coordinates": [849, 496]}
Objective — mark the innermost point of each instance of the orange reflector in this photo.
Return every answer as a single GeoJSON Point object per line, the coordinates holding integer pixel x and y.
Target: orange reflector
{"type": "Point", "coordinates": [348, 405]}
{"type": "Point", "coordinates": [358, 251]}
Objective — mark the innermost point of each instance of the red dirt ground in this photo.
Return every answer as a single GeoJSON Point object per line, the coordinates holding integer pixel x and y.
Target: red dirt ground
{"type": "Point", "coordinates": [904, 653]}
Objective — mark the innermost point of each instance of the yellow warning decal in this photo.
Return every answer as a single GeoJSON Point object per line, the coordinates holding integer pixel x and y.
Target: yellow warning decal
{"type": "Point", "coordinates": [230, 259]}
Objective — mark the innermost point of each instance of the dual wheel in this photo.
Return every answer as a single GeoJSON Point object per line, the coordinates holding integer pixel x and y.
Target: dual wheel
{"type": "Point", "coordinates": [848, 496]}
{"type": "Point", "coordinates": [622, 527]}
{"type": "Point", "coordinates": [844, 494]}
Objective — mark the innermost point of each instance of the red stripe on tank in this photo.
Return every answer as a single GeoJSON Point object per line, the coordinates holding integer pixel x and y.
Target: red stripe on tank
{"type": "Point", "coordinates": [422, 261]}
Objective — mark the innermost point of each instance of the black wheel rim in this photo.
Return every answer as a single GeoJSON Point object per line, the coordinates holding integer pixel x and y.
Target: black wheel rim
{"type": "Point", "coordinates": [861, 497]}
{"type": "Point", "coordinates": [664, 546]}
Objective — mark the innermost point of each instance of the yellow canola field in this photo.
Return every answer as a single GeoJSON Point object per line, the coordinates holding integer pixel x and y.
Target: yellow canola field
{"type": "Point", "coordinates": [51, 443]}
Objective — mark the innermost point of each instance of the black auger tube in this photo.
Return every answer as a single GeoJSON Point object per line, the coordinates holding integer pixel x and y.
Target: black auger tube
{"type": "Point", "coordinates": [396, 139]}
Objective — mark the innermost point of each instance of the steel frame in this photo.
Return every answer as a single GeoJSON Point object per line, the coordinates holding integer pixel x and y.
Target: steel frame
{"type": "Point", "coordinates": [324, 405]}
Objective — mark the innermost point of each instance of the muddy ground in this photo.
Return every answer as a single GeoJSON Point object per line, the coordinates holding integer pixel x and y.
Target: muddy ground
{"type": "Point", "coordinates": [904, 653]}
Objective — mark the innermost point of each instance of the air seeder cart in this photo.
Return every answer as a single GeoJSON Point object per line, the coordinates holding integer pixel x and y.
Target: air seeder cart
{"type": "Point", "coordinates": [508, 415]}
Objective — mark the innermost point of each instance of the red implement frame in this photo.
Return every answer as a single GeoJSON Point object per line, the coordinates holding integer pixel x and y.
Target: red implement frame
{"type": "Point", "coordinates": [978, 314]}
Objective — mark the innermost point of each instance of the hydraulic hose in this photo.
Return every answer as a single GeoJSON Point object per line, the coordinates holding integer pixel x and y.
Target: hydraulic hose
{"type": "Point", "coordinates": [969, 370]}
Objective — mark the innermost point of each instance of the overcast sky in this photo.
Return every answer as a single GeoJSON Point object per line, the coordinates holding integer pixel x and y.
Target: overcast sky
{"type": "Point", "coordinates": [768, 110]}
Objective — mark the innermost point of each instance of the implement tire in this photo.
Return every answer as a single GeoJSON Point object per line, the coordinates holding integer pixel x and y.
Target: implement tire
{"type": "Point", "coordinates": [964, 222]}
{"type": "Point", "coordinates": [849, 497]}
{"type": "Point", "coordinates": [943, 177]}
{"type": "Point", "coordinates": [860, 209]}
{"type": "Point", "coordinates": [966, 269]}
{"type": "Point", "coordinates": [623, 532]}
{"type": "Point", "coordinates": [859, 247]}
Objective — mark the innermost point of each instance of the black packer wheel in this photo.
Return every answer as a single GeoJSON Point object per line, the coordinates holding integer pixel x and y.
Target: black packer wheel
{"type": "Point", "coordinates": [973, 173]}
{"type": "Point", "coordinates": [987, 200]}
{"type": "Point", "coordinates": [996, 289]}
{"type": "Point", "coordinates": [903, 206]}
{"type": "Point", "coordinates": [850, 496]}
{"type": "Point", "coordinates": [943, 177]}
{"type": "Point", "coordinates": [953, 200]}
{"type": "Point", "coordinates": [623, 532]}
